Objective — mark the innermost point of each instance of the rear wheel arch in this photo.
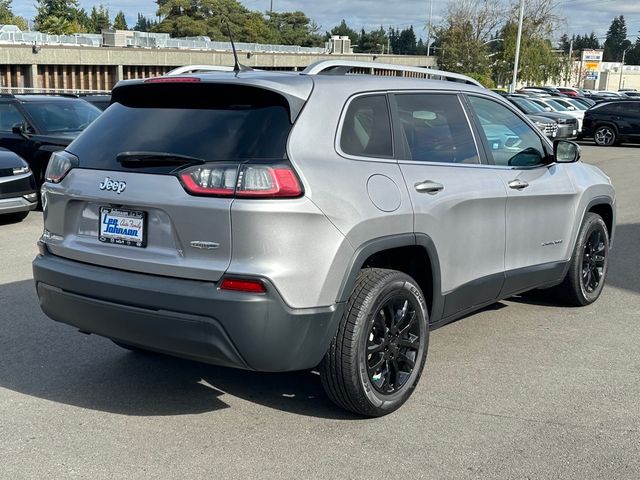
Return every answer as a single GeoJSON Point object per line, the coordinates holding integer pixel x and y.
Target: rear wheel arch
{"type": "Point", "coordinates": [412, 254]}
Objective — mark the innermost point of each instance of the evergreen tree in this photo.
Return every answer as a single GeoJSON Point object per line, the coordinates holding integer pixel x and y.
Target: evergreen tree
{"type": "Point", "coordinates": [344, 30]}
{"type": "Point", "coordinates": [120, 22]}
{"type": "Point", "coordinates": [616, 42]}
{"type": "Point", "coordinates": [99, 19]}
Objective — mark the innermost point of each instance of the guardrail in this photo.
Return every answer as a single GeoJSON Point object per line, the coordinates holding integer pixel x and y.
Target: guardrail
{"type": "Point", "coordinates": [52, 91]}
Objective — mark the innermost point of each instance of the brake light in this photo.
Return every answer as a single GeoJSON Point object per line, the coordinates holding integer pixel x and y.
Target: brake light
{"type": "Point", "coordinates": [172, 80]}
{"type": "Point", "coordinates": [243, 285]}
{"type": "Point", "coordinates": [266, 181]}
{"type": "Point", "coordinates": [60, 164]}
{"type": "Point", "coordinates": [244, 181]}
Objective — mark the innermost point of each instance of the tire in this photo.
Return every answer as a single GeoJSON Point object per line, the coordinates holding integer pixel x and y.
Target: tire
{"type": "Point", "coordinates": [398, 342]}
{"type": "Point", "coordinates": [588, 265]}
{"type": "Point", "coordinates": [605, 136]}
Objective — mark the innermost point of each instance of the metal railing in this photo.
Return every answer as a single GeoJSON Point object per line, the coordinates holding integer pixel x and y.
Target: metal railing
{"type": "Point", "coordinates": [51, 91]}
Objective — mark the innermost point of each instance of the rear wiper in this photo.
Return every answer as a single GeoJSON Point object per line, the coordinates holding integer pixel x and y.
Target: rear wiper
{"type": "Point", "coordinates": [148, 159]}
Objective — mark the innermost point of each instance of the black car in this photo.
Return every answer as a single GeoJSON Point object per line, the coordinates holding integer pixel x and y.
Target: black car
{"type": "Point", "coordinates": [100, 101]}
{"type": "Point", "coordinates": [567, 125]}
{"type": "Point", "coordinates": [17, 187]}
{"type": "Point", "coordinates": [34, 126]}
{"type": "Point", "coordinates": [613, 122]}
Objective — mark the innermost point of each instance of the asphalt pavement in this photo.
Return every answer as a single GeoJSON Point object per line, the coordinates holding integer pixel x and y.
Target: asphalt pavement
{"type": "Point", "coordinates": [521, 390]}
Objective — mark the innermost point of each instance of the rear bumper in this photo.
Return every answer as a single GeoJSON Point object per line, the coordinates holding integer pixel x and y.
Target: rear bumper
{"type": "Point", "coordinates": [186, 318]}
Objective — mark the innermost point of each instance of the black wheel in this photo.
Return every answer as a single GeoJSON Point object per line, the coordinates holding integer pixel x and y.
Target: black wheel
{"type": "Point", "coordinates": [588, 266]}
{"type": "Point", "coordinates": [605, 136]}
{"type": "Point", "coordinates": [377, 356]}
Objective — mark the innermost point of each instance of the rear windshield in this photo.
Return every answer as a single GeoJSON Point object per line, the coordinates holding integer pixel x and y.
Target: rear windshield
{"type": "Point", "coordinates": [227, 126]}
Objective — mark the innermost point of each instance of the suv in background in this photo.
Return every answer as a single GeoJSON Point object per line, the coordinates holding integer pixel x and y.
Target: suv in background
{"type": "Point", "coordinates": [34, 126]}
{"type": "Point", "coordinates": [611, 123]}
{"type": "Point", "coordinates": [17, 187]}
{"type": "Point", "coordinates": [567, 125]}
{"type": "Point", "coordinates": [281, 221]}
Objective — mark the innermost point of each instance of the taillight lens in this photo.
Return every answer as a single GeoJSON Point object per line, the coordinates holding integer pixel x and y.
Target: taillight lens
{"type": "Point", "coordinates": [210, 180]}
{"type": "Point", "coordinates": [243, 285]}
{"type": "Point", "coordinates": [60, 164]}
{"type": "Point", "coordinates": [244, 181]}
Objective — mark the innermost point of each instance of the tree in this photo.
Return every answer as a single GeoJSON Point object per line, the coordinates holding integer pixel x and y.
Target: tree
{"type": "Point", "coordinates": [8, 18]}
{"type": "Point", "coordinates": [144, 24]}
{"type": "Point", "coordinates": [120, 22]}
{"type": "Point", "coordinates": [293, 28]}
{"type": "Point", "coordinates": [407, 42]}
{"type": "Point", "coordinates": [99, 19]}
{"type": "Point", "coordinates": [344, 30]}
{"type": "Point", "coordinates": [616, 42]}
{"type": "Point", "coordinates": [633, 55]}
{"type": "Point", "coordinates": [464, 35]}
{"type": "Point", "coordinates": [60, 17]}
{"type": "Point", "coordinates": [371, 42]}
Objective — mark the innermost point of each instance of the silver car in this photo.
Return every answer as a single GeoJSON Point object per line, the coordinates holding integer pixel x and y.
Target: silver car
{"type": "Point", "coordinates": [286, 221]}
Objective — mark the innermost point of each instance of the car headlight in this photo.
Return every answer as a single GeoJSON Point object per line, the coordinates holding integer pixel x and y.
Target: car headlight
{"type": "Point", "coordinates": [21, 170]}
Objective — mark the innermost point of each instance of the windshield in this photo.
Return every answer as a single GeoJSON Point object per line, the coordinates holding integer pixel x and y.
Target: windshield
{"type": "Point", "coordinates": [577, 104]}
{"type": "Point", "coordinates": [557, 106]}
{"type": "Point", "coordinates": [527, 107]}
{"type": "Point", "coordinates": [62, 116]}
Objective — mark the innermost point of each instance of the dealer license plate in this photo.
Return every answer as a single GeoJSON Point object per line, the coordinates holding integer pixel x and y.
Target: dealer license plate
{"type": "Point", "coordinates": [123, 227]}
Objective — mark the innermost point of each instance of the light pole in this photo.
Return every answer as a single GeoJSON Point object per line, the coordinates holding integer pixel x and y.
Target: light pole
{"type": "Point", "coordinates": [624, 54]}
{"type": "Point", "coordinates": [429, 27]}
{"type": "Point", "coordinates": [512, 87]}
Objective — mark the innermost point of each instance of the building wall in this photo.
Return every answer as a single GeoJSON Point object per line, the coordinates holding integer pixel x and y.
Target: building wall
{"type": "Point", "coordinates": [88, 68]}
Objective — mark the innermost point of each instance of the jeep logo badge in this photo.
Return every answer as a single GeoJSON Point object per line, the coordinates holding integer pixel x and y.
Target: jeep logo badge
{"type": "Point", "coordinates": [113, 185]}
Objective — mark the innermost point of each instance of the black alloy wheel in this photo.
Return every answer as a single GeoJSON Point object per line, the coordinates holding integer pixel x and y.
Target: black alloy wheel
{"type": "Point", "coordinates": [593, 261]}
{"type": "Point", "coordinates": [393, 344]}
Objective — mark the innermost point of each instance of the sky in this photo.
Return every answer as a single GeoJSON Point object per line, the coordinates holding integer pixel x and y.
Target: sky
{"type": "Point", "coordinates": [581, 16]}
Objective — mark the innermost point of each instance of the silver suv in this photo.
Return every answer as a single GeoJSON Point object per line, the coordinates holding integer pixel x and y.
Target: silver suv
{"type": "Point", "coordinates": [284, 221]}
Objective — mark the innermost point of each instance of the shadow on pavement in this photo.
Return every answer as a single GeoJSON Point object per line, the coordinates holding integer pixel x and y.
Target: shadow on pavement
{"type": "Point", "coordinates": [45, 359]}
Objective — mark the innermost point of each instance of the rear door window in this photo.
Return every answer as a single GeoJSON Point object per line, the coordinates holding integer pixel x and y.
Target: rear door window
{"type": "Point", "coordinates": [436, 128]}
{"type": "Point", "coordinates": [366, 130]}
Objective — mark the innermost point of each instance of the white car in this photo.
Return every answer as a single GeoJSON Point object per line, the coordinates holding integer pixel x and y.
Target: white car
{"type": "Point", "coordinates": [563, 106]}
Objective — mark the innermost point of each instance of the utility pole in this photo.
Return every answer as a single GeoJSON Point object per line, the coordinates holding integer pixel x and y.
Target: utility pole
{"type": "Point", "coordinates": [429, 27]}
{"type": "Point", "coordinates": [518, 41]}
{"type": "Point", "coordinates": [271, 7]}
{"type": "Point", "coordinates": [624, 54]}
{"type": "Point", "coordinates": [568, 80]}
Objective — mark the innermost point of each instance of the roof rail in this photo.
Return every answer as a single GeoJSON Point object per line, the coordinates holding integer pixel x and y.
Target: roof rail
{"type": "Point", "coordinates": [199, 69]}
{"type": "Point", "coordinates": [345, 67]}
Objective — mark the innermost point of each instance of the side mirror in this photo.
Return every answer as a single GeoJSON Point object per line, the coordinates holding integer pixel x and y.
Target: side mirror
{"type": "Point", "coordinates": [548, 109]}
{"type": "Point", "coordinates": [18, 129]}
{"type": "Point", "coordinates": [572, 109]}
{"type": "Point", "coordinates": [565, 151]}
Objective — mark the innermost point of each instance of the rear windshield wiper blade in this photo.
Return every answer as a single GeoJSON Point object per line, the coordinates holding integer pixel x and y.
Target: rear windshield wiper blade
{"type": "Point", "coordinates": [147, 159]}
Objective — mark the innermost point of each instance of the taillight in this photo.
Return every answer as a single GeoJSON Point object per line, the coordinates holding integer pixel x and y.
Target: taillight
{"type": "Point", "coordinates": [243, 285]}
{"type": "Point", "coordinates": [60, 164]}
{"type": "Point", "coordinates": [245, 181]}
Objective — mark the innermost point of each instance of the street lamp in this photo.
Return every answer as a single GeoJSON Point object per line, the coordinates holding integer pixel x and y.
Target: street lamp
{"type": "Point", "coordinates": [512, 87]}
{"type": "Point", "coordinates": [624, 54]}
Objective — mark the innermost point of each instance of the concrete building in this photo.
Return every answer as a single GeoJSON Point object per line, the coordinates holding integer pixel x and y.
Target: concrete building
{"type": "Point", "coordinates": [33, 61]}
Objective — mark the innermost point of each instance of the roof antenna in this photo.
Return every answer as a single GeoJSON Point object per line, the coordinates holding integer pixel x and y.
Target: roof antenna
{"type": "Point", "coordinates": [237, 67]}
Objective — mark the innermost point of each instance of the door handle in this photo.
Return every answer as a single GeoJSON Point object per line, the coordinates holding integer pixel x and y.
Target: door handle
{"type": "Point", "coordinates": [429, 187]}
{"type": "Point", "coordinates": [518, 184]}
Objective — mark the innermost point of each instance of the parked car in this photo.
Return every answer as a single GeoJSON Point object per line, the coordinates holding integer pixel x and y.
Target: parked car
{"type": "Point", "coordinates": [34, 126]}
{"type": "Point", "coordinates": [567, 125]}
{"type": "Point", "coordinates": [630, 94]}
{"type": "Point", "coordinates": [17, 187]}
{"type": "Point", "coordinates": [612, 123]}
{"type": "Point", "coordinates": [556, 105]}
{"type": "Point", "coordinates": [587, 102]}
{"type": "Point", "coordinates": [287, 221]}
{"type": "Point", "coordinates": [569, 91]}
{"type": "Point", "coordinates": [100, 101]}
